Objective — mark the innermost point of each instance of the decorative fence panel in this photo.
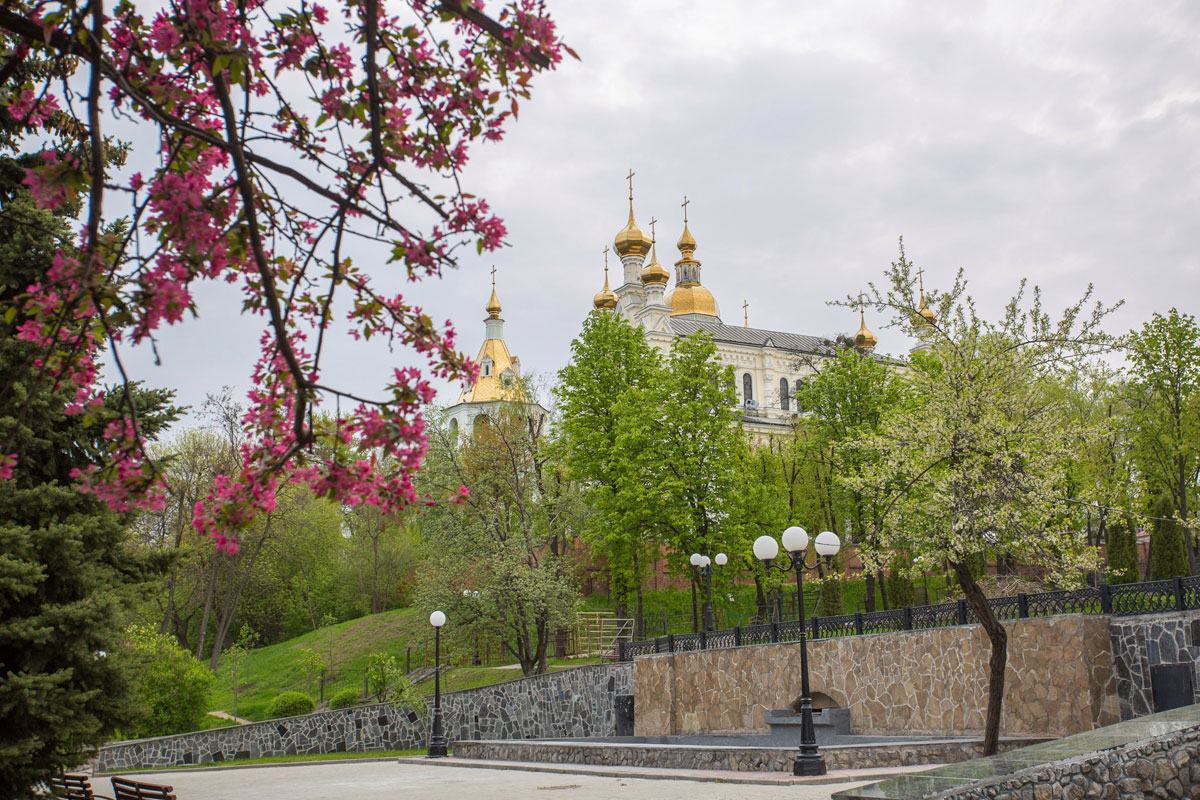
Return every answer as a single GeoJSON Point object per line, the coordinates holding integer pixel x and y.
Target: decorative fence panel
{"type": "Point", "coordinates": [1152, 597]}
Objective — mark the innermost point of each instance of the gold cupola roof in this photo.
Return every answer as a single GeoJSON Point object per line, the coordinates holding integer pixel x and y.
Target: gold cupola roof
{"type": "Point", "coordinates": [654, 273]}
{"type": "Point", "coordinates": [630, 240]}
{"type": "Point", "coordinates": [606, 298]}
{"type": "Point", "coordinates": [689, 297]}
{"type": "Point", "coordinates": [493, 305]}
{"type": "Point", "coordinates": [925, 315]}
{"type": "Point", "coordinates": [864, 339]}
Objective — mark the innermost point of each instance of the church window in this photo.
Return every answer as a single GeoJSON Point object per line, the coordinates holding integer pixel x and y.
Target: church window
{"type": "Point", "coordinates": [747, 389]}
{"type": "Point", "coordinates": [485, 370]}
{"type": "Point", "coordinates": [453, 428]}
{"type": "Point", "coordinates": [785, 402]}
{"type": "Point", "coordinates": [507, 380]}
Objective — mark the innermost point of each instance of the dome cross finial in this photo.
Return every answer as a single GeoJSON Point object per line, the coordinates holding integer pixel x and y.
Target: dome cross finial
{"type": "Point", "coordinates": [493, 307]}
{"type": "Point", "coordinates": [629, 178]}
{"type": "Point", "coordinates": [605, 265]}
{"type": "Point", "coordinates": [685, 205]}
{"type": "Point", "coordinates": [746, 312]}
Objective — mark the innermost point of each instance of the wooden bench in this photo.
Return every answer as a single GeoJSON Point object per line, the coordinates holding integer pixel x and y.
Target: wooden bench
{"type": "Point", "coordinates": [125, 789]}
{"type": "Point", "coordinates": [73, 787]}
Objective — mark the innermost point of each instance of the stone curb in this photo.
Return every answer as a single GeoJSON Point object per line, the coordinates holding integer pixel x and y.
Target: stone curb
{"type": "Point", "coordinates": [651, 773]}
{"type": "Point", "coordinates": [219, 768]}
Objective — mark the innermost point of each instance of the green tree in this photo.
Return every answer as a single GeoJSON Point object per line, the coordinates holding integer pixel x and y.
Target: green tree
{"type": "Point", "coordinates": [609, 359]}
{"type": "Point", "coordinates": [172, 685]}
{"type": "Point", "coordinates": [497, 560]}
{"type": "Point", "coordinates": [847, 401]}
{"type": "Point", "coordinates": [1165, 395]}
{"type": "Point", "coordinates": [979, 448]}
{"type": "Point", "coordinates": [684, 447]}
{"type": "Point", "coordinates": [312, 664]}
{"type": "Point", "coordinates": [829, 597]}
{"type": "Point", "coordinates": [1168, 555]}
{"type": "Point", "coordinates": [235, 656]}
{"type": "Point", "coordinates": [65, 567]}
{"type": "Point", "coordinates": [1122, 555]}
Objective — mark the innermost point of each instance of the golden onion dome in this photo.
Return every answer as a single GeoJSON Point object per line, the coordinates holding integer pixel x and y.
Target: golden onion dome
{"type": "Point", "coordinates": [692, 299]}
{"type": "Point", "coordinates": [605, 299]}
{"type": "Point", "coordinates": [630, 241]}
{"type": "Point", "coordinates": [926, 314]}
{"type": "Point", "coordinates": [686, 244]}
{"type": "Point", "coordinates": [655, 273]}
{"type": "Point", "coordinates": [493, 306]}
{"type": "Point", "coordinates": [864, 339]}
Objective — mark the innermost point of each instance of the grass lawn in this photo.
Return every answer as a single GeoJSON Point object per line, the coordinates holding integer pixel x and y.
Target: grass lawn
{"type": "Point", "coordinates": [276, 760]}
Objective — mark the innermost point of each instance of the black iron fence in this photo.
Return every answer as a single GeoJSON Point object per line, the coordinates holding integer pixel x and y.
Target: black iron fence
{"type": "Point", "coordinates": [1152, 597]}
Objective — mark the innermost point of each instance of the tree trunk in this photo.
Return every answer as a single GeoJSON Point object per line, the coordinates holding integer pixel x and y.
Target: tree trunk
{"type": "Point", "coordinates": [999, 641]}
{"type": "Point", "coordinates": [640, 623]}
{"type": "Point", "coordinates": [883, 591]}
{"type": "Point", "coordinates": [1188, 537]}
{"type": "Point", "coordinates": [760, 602]}
{"type": "Point", "coordinates": [869, 597]}
{"type": "Point", "coordinates": [208, 603]}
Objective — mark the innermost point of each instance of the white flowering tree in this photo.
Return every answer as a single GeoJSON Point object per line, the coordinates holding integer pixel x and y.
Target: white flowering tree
{"type": "Point", "coordinates": [974, 458]}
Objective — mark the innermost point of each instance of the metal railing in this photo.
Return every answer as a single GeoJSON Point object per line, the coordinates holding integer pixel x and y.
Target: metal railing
{"type": "Point", "coordinates": [1152, 597]}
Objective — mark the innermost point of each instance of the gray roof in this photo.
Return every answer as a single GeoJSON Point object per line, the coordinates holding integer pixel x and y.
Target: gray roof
{"type": "Point", "coordinates": [755, 337]}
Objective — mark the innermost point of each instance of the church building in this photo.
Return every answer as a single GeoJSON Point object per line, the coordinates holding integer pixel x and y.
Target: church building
{"type": "Point", "coordinates": [499, 380]}
{"type": "Point", "coordinates": [769, 366]}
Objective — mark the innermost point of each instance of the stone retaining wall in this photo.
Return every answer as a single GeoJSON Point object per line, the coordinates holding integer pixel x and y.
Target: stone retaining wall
{"type": "Point", "coordinates": [1140, 643]}
{"type": "Point", "coordinates": [1167, 766]}
{"type": "Point", "coordinates": [1060, 680]}
{"type": "Point", "coordinates": [567, 703]}
{"type": "Point", "coordinates": [739, 759]}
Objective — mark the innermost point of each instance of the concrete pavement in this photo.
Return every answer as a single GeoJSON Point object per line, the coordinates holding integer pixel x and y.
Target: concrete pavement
{"type": "Point", "coordinates": [380, 780]}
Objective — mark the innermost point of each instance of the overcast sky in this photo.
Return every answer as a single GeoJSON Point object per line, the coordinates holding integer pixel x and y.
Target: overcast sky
{"type": "Point", "coordinates": [1058, 142]}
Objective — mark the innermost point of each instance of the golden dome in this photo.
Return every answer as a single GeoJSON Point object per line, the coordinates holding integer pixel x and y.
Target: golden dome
{"type": "Point", "coordinates": [864, 339]}
{"type": "Point", "coordinates": [654, 272]}
{"type": "Point", "coordinates": [605, 299]}
{"type": "Point", "coordinates": [692, 299]}
{"type": "Point", "coordinates": [686, 244]}
{"type": "Point", "coordinates": [925, 315]}
{"type": "Point", "coordinates": [630, 241]}
{"type": "Point", "coordinates": [493, 306]}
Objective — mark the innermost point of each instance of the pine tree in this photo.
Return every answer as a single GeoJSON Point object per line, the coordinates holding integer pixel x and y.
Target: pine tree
{"type": "Point", "coordinates": [1168, 557]}
{"type": "Point", "coordinates": [1122, 552]}
{"type": "Point", "coordinates": [66, 568]}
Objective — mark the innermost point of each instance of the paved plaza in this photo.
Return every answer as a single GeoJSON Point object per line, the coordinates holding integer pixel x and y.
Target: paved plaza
{"type": "Point", "coordinates": [387, 780]}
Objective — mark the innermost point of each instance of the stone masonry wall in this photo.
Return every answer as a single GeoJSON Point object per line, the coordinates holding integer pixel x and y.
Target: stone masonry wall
{"type": "Point", "coordinates": [1167, 766]}
{"type": "Point", "coordinates": [1060, 680]}
{"type": "Point", "coordinates": [571, 702]}
{"type": "Point", "coordinates": [1142, 642]}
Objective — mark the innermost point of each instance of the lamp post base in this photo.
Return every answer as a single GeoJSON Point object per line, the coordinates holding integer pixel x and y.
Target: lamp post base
{"type": "Point", "coordinates": [438, 749]}
{"type": "Point", "coordinates": [808, 765]}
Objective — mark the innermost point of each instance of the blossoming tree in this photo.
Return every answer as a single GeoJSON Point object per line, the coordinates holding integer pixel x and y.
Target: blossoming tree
{"type": "Point", "coordinates": [288, 133]}
{"type": "Point", "coordinates": [973, 458]}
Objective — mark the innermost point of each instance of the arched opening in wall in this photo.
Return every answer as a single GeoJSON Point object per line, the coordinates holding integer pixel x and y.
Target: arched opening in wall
{"type": "Point", "coordinates": [453, 428]}
{"type": "Point", "coordinates": [747, 389]}
{"type": "Point", "coordinates": [820, 701]}
{"type": "Point", "coordinates": [480, 423]}
{"type": "Point", "coordinates": [785, 400]}
{"type": "Point", "coordinates": [796, 394]}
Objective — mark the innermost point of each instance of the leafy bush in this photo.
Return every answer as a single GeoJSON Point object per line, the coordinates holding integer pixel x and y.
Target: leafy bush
{"type": "Point", "coordinates": [346, 698]}
{"type": "Point", "coordinates": [291, 704]}
{"type": "Point", "coordinates": [173, 687]}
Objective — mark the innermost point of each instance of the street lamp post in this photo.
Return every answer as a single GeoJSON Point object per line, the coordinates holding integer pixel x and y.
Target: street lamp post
{"type": "Point", "coordinates": [437, 739]}
{"type": "Point", "coordinates": [795, 541]}
{"type": "Point", "coordinates": [704, 564]}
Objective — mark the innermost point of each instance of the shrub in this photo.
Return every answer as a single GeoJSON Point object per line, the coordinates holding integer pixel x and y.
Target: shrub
{"type": "Point", "coordinates": [173, 686]}
{"type": "Point", "coordinates": [290, 704]}
{"type": "Point", "coordinates": [346, 698]}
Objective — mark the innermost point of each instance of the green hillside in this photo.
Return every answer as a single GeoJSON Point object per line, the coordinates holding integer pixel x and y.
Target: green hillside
{"type": "Point", "coordinates": [268, 671]}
